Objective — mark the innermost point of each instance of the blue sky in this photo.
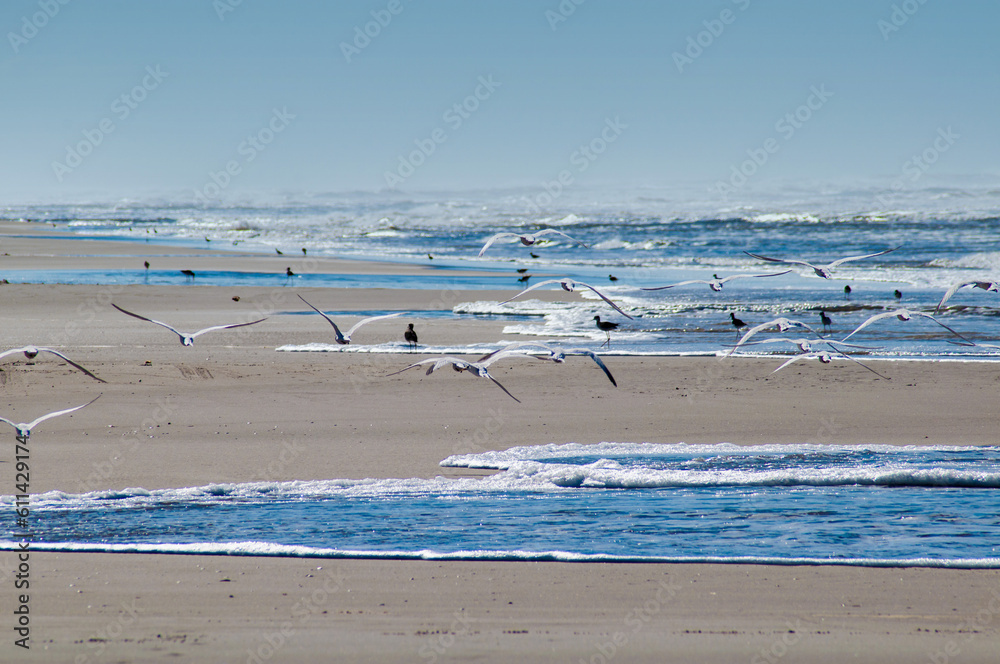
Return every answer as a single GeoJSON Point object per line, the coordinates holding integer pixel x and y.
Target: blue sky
{"type": "Point", "coordinates": [164, 97]}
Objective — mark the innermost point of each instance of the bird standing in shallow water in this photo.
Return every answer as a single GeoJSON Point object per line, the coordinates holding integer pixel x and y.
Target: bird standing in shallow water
{"type": "Point", "coordinates": [606, 326]}
{"type": "Point", "coordinates": [898, 294]}
{"type": "Point", "coordinates": [826, 320]}
{"type": "Point", "coordinates": [737, 323]}
{"type": "Point", "coordinates": [847, 292]}
{"type": "Point", "coordinates": [410, 335]}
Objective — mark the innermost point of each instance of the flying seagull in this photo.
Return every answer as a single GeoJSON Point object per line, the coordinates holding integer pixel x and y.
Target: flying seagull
{"type": "Point", "coordinates": [557, 355]}
{"type": "Point", "coordinates": [903, 315]}
{"type": "Point", "coordinates": [477, 368]}
{"type": "Point", "coordinates": [716, 283]}
{"type": "Point", "coordinates": [528, 239]}
{"type": "Point", "coordinates": [24, 428]}
{"type": "Point", "coordinates": [186, 339]}
{"type": "Point", "coordinates": [990, 286]}
{"type": "Point", "coordinates": [826, 358]}
{"type": "Point", "coordinates": [568, 285]}
{"type": "Point", "coordinates": [821, 270]}
{"type": "Point", "coordinates": [31, 352]}
{"type": "Point", "coordinates": [345, 339]}
{"type": "Point", "coordinates": [783, 325]}
{"type": "Point", "coordinates": [804, 345]}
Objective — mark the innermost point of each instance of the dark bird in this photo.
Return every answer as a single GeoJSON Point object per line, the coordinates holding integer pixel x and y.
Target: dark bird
{"type": "Point", "coordinates": [897, 294]}
{"type": "Point", "coordinates": [820, 270]}
{"type": "Point", "coordinates": [304, 251]}
{"type": "Point", "coordinates": [345, 339]}
{"type": "Point", "coordinates": [737, 323]}
{"type": "Point", "coordinates": [31, 352]}
{"type": "Point", "coordinates": [429, 257]}
{"type": "Point", "coordinates": [612, 277]}
{"type": "Point", "coordinates": [288, 272]}
{"type": "Point", "coordinates": [236, 298]}
{"type": "Point", "coordinates": [847, 292]}
{"type": "Point", "coordinates": [606, 327]}
{"type": "Point", "coordinates": [188, 273]}
{"type": "Point", "coordinates": [186, 339]}
{"type": "Point", "coordinates": [410, 335]}
{"type": "Point", "coordinates": [826, 320]}
{"type": "Point", "coordinates": [533, 255]}
{"type": "Point", "coordinates": [279, 251]}
{"type": "Point", "coordinates": [146, 263]}
{"type": "Point", "coordinates": [522, 270]}
{"type": "Point", "coordinates": [524, 278]}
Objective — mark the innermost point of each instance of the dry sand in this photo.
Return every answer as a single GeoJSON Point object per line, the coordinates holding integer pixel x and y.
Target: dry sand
{"type": "Point", "coordinates": [231, 409]}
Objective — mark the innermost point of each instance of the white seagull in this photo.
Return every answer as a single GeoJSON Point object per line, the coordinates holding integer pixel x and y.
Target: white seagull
{"type": "Point", "coordinates": [821, 270]}
{"type": "Point", "coordinates": [990, 286]}
{"type": "Point", "coordinates": [345, 339]}
{"type": "Point", "coordinates": [716, 283]}
{"type": "Point", "coordinates": [783, 325]}
{"type": "Point", "coordinates": [478, 368]}
{"type": "Point", "coordinates": [24, 428]}
{"type": "Point", "coordinates": [186, 339]}
{"type": "Point", "coordinates": [903, 315]}
{"type": "Point", "coordinates": [557, 355]}
{"type": "Point", "coordinates": [805, 345]}
{"type": "Point", "coordinates": [31, 352]}
{"type": "Point", "coordinates": [826, 358]}
{"type": "Point", "coordinates": [527, 239]}
{"type": "Point", "coordinates": [569, 285]}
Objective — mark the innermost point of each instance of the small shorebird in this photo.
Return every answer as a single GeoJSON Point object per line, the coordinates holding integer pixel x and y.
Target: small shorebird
{"type": "Point", "coordinates": [612, 277]}
{"type": "Point", "coordinates": [279, 251]}
{"type": "Point", "coordinates": [345, 339]}
{"type": "Point", "coordinates": [783, 325]}
{"type": "Point", "coordinates": [186, 339]}
{"type": "Point", "coordinates": [31, 352]}
{"type": "Point", "coordinates": [410, 335]}
{"type": "Point", "coordinates": [826, 358]}
{"type": "Point", "coordinates": [847, 292]}
{"type": "Point", "coordinates": [569, 285]}
{"type": "Point", "coordinates": [989, 286]}
{"type": "Point", "coordinates": [188, 273]}
{"type": "Point", "coordinates": [304, 251]}
{"type": "Point", "coordinates": [737, 323]}
{"type": "Point", "coordinates": [606, 326]}
{"type": "Point", "coordinates": [24, 428]}
{"type": "Point", "coordinates": [716, 283]}
{"type": "Point", "coordinates": [826, 320]}
{"type": "Point", "coordinates": [476, 368]}
{"type": "Point", "coordinates": [146, 263]}
{"type": "Point", "coordinates": [527, 239]}
{"type": "Point", "coordinates": [557, 355]}
{"type": "Point", "coordinates": [821, 270]}
{"type": "Point", "coordinates": [898, 294]}
{"type": "Point", "coordinates": [903, 315]}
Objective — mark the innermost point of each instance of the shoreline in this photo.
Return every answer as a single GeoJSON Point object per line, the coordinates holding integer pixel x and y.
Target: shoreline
{"type": "Point", "coordinates": [222, 411]}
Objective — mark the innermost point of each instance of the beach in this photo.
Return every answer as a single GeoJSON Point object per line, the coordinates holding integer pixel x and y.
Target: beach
{"type": "Point", "coordinates": [232, 409]}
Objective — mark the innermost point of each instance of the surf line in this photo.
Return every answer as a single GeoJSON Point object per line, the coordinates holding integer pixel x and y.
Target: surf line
{"type": "Point", "coordinates": [22, 575]}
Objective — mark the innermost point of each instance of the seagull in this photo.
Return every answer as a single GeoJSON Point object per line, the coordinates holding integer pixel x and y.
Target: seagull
{"type": "Point", "coordinates": [737, 323]}
{"type": "Point", "coordinates": [606, 327]}
{"type": "Point", "coordinates": [569, 285]}
{"type": "Point", "coordinates": [990, 286]}
{"type": "Point", "coordinates": [527, 240]}
{"type": "Point", "coordinates": [410, 335]}
{"type": "Point", "coordinates": [903, 315]}
{"type": "Point", "coordinates": [24, 428]}
{"type": "Point", "coordinates": [805, 345]}
{"type": "Point", "coordinates": [186, 339]}
{"type": "Point", "coordinates": [826, 320]}
{"type": "Point", "coordinates": [783, 325]}
{"type": "Point", "coordinates": [345, 339]}
{"type": "Point", "coordinates": [716, 283]}
{"type": "Point", "coordinates": [478, 368]}
{"type": "Point", "coordinates": [31, 352]}
{"type": "Point", "coordinates": [557, 355]}
{"type": "Point", "coordinates": [821, 270]}
{"type": "Point", "coordinates": [826, 358]}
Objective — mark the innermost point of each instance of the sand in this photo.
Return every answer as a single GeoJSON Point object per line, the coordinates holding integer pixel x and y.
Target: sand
{"type": "Point", "coordinates": [232, 409]}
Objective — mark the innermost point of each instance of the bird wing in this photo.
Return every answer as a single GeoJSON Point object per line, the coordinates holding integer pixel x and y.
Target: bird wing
{"type": "Point", "coordinates": [857, 258]}
{"type": "Point", "coordinates": [595, 358]}
{"type": "Point", "coordinates": [531, 288]}
{"type": "Point", "coordinates": [226, 327]}
{"type": "Point", "coordinates": [920, 313]}
{"type": "Point", "coordinates": [148, 320]}
{"type": "Point", "coordinates": [777, 321]}
{"type": "Point", "coordinates": [60, 412]}
{"type": "Point", "coordinates": [516, 345]}
{"type": "Point", "coordinates": [493, 239]}
{"type": "Point", "coordinates": [508, 352]}
{"type": "Point", "coordinates": [415, 364]}
{"type": "Point", "coordinates": [954, 289]}
{"type": "Point", "coordinates": [328, 319]}
{"type": "Point", "coordinates": [743, 276]}
{"type": "Point", "coordinates": [862, 364]}
{"type": "Point", "coordinates": [371, 319]}
{"type": "Point", "coordinates": [602, 296]}
{"type": "Point", "coordinates": [497, 383]}
{"type": "Point", "coordinates": [800, 356]}
{"type": "Point", "coordinates": [684, 283]}
{"type": "Point", "coordinates": [13, 351]}
{"type": "Point", "coordinates": [790, 261]}
{"type": "Point", "coordinates": [4, 419]}
{"type": "Point", "coordinates": [873, 319]}
{"type": "Point", "coordinates": [548, 231]}
{"type": "Point", "coordinates": [71, 362]}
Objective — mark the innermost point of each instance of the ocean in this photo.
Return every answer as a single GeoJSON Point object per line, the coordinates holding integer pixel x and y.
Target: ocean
{"type": "Point", "coordinates": [618, 501]}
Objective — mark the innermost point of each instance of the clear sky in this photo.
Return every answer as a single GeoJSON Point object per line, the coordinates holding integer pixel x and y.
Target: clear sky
{"type": "Point", "coordinates": [124, 98]}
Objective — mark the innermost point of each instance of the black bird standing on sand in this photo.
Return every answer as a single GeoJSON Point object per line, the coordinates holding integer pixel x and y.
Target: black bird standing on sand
{"type": "Point", "coordinates": [606, 327]}
{"type": "Point", "coordinates": [737, 323]}
{"type": "Point", "coordinates": [410, 335]}
{"type": "Point", "coordinates": [826, 320]}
